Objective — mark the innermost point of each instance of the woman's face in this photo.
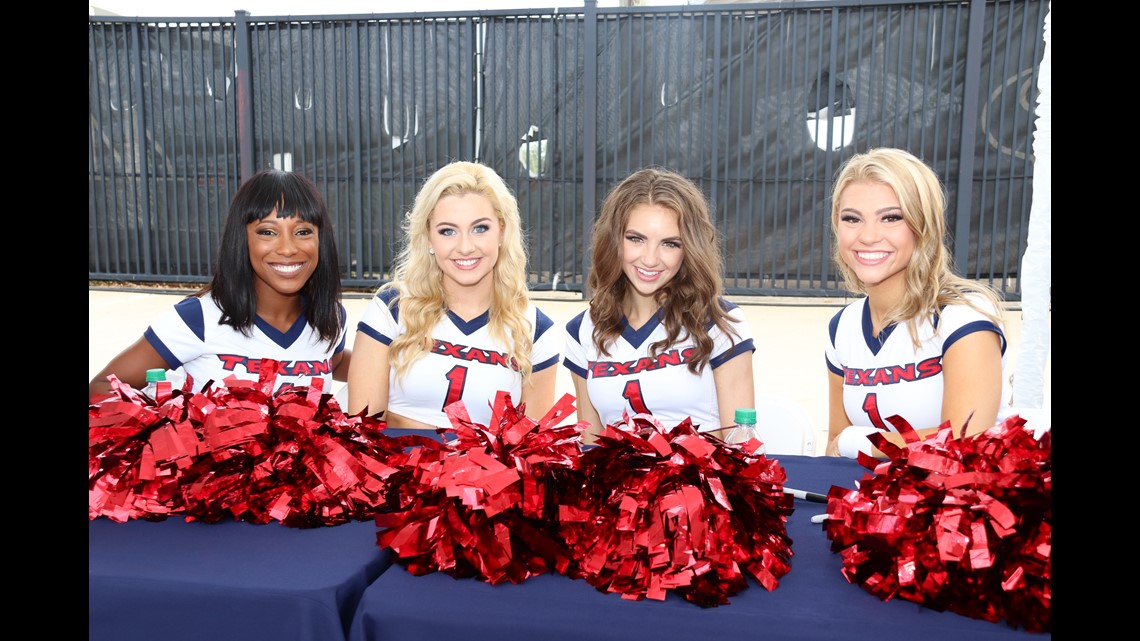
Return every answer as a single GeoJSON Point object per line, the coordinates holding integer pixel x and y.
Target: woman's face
{"type": "Point", "coordinates": [651, 248]}
{"type": "Point", "coordinates": [283, 253]}
{"type": "Point", "coordinates": [465, 234]}
{"type": "Point", "coordinates": [874, 239]}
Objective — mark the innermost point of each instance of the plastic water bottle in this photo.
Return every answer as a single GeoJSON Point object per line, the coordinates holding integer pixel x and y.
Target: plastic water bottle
{"type": "Point", "coordinates": [745, 426]}
{"type": "Point", "coordinates": [156, 385]}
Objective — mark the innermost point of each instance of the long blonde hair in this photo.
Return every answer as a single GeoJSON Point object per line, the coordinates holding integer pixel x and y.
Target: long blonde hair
{"type": "Point", "coordinates": [930, 281]}
{"type": "Point", "coordinates": [419, 280]}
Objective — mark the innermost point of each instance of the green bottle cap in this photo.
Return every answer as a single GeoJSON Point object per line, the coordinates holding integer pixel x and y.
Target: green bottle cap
{"type": "Point", "coordinates": [745, 416]}
{"type": "Point", "coordinates": [155, 375]}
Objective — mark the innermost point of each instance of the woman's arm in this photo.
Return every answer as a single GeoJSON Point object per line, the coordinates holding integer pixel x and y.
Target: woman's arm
{"type": "Point", "coordinates": [735, 387]}
{"type": "Point", "coordinates": [538, 393]}
{"type": "Point", "coordinates": [129, 366]}
{"type": "Point", "coordinates": [341, 363]}
{"type": "Point", "coordinates": [837, 419]}
{"type": "Point", "coordinates": [368, 376]}
{"type": "Point", "coordinates": [971, 378]}
{"type": "Point", "coordinates": [586, 411]}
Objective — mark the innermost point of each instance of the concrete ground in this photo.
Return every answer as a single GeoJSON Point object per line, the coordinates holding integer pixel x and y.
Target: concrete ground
{"type": "Point", "coordinates": [789, 331]}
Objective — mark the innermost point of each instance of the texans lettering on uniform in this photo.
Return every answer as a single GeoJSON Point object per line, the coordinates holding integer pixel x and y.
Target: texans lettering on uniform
{"type": "Point", "coordinates": [893, 374]}
{"type": "Point", "coordinates": [230, 362]}
{"type": "Point", "coordinates": [602, 369]}
{"type": "Point", "coordinates": [465, 353]}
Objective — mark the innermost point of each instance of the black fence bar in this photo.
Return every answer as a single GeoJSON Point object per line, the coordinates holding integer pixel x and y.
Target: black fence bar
{"type": "Point", "coordinates": [759, 103]}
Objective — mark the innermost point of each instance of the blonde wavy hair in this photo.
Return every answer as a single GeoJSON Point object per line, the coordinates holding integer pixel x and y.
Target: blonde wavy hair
{"type": "Point", "coordinates": [930, 281]}
{"type": "Point", "coordinates": [419, 280]}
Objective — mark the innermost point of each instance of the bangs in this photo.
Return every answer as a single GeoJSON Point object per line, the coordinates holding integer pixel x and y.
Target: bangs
{"type": "Point", "coordinates": [292, 200]}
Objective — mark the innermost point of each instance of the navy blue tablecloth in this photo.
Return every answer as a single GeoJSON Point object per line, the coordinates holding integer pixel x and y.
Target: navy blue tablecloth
{"type": "Point", "coordinates": [175, 581]}
{"type": "Point", "coordinates": [813, 601]}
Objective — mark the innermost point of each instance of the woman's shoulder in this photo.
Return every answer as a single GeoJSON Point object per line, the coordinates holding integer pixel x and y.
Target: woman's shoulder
{"type": "Point", "coordinates": [970, 304]}
{"type": "Point", "coordinates": [852, 310]}
{"type": "Point", "coordinates": [196, 305]}
{"type": "Point", "coordinates": [730, 308]}
{"type": "Point", "coordinates": [387, 295]}
{"type": "Point", "coordinates": [539, 318]}
{"type": "Point", "coordinates": [191, 301]}
{"type": "Point", "coordinates": [574, 325]}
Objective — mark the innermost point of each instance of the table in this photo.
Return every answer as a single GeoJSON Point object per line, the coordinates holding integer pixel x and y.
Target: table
{"type": "Point", "coordinates": [813, 601]}
{"type": "Point", "coordinates": [175, 581]}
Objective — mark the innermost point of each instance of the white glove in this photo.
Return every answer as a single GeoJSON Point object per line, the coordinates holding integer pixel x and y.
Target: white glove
{"type": "Point", "coordinates": [853, 439]}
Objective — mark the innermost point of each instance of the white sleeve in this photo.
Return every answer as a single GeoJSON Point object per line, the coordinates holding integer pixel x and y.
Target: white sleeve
{"type": "Point", "coordinates": [179, 333]}
{"type": "Point", "coordinates": [830, 353]}
{"type": "Point", "coordinates": [725, 346]}
{"type": "Point", "coordinates": [379, 320]}
{"type": "Point", "coordinates": [547, 342]}
{"type": "Point", "coordinates": [575, 353]}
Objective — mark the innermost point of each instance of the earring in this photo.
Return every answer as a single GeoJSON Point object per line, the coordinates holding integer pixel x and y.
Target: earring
{"type": "Point", "coordinates": [431, 250]}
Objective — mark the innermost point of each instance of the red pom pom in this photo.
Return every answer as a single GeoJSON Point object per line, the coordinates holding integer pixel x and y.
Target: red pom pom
{"type": "Point", "coordinates": [138, 454]}
{"type": "Point", "coordinates": [959, 524]}
{"type": "Point", "coordinates": [239, 451]}
{"type": "Point", "coordinates": [480, 505]}
{"type": "Point", "coordinates": [676, 510]}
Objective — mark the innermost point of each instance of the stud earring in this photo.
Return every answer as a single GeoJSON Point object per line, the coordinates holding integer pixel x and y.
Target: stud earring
{"type": "Point", "coordinates": [431, 250]}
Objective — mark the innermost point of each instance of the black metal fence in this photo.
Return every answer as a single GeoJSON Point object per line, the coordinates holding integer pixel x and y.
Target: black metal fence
{"type": "Point", "coordinates": [760, 103]}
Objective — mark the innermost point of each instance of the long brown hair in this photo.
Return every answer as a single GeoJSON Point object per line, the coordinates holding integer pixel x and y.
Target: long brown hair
{"type": "Point", "coordinates": [691, 300]}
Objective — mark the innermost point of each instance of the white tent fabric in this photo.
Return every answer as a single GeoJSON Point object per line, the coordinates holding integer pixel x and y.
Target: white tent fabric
{"type": "Point", "coordinates": [1036, 274]}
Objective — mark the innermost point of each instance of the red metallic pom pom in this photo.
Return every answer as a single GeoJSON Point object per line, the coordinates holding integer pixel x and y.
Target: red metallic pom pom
{"type": "Point", "coordinates": [676, 510]}
{"type": "Point", "coordinates": [138, 454]}
{"type": "Point", "coordinates": [239, 451]}
{"type": "Point", "coordinates": [481, 505]}
{"type": "Point", "coordinates": [959, 524]}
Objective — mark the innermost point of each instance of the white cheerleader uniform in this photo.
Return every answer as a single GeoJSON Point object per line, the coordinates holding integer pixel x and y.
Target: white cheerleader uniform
{"type": "Point", "coordinates": [884, 375]}
{"type": "Point", "coordinates": [466, 363]}
{"type": "Point", "coordinates": [628, 380]}
{"type": "Point", "coordinates": [190, 336]}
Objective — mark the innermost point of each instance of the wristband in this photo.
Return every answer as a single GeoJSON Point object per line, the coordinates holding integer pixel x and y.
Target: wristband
{"type": "Point", "coordinates": [853, 439]}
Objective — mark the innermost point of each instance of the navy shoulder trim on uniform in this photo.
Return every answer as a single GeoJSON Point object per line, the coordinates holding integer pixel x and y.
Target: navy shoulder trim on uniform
{"type": "Point", "coordinates": [972, 327]}
{"type": "Point", "coordinates": [368, 331]}
{"type": "Point", "coordinates": [574, 325]}
{"type": "Point", "coordinates": [190, 310]}
{"type": "Point", "coordinates": [736, 350]}
{"type": "Point", "coordinates": [834, 370]}
{"type": "Point", "coordinates": [538, 367]}
{"type": "Point", "coordinates": [391, 298]}
{"type": "Point", "coordinates": [580, 371]}
{"type": "Point", "coordinates": [542, 323]}
{"type": "Point", "coordinates": [726, 304]}
{"type": "Point", "coordinates": [833, 324]}
{"type": "Point", "coordinates": [172, 361]}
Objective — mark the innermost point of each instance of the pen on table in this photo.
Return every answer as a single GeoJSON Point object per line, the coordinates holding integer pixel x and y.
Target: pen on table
{"type": "Point", "coordinates": [806, 496]}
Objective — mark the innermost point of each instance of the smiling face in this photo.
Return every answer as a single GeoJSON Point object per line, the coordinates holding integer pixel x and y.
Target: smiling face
{"type": "Point", "coordinates": [873, 237]}
{"type": "Point", "coordinates": [465, 233]}
{"type": "Point", "coordinates": [652, 251]}
{"type": "Point", "coordinates": [283, 253]}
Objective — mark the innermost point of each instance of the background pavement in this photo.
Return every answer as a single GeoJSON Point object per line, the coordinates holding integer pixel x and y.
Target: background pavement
{"type": "Point", "coordinates": [789, 333]}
